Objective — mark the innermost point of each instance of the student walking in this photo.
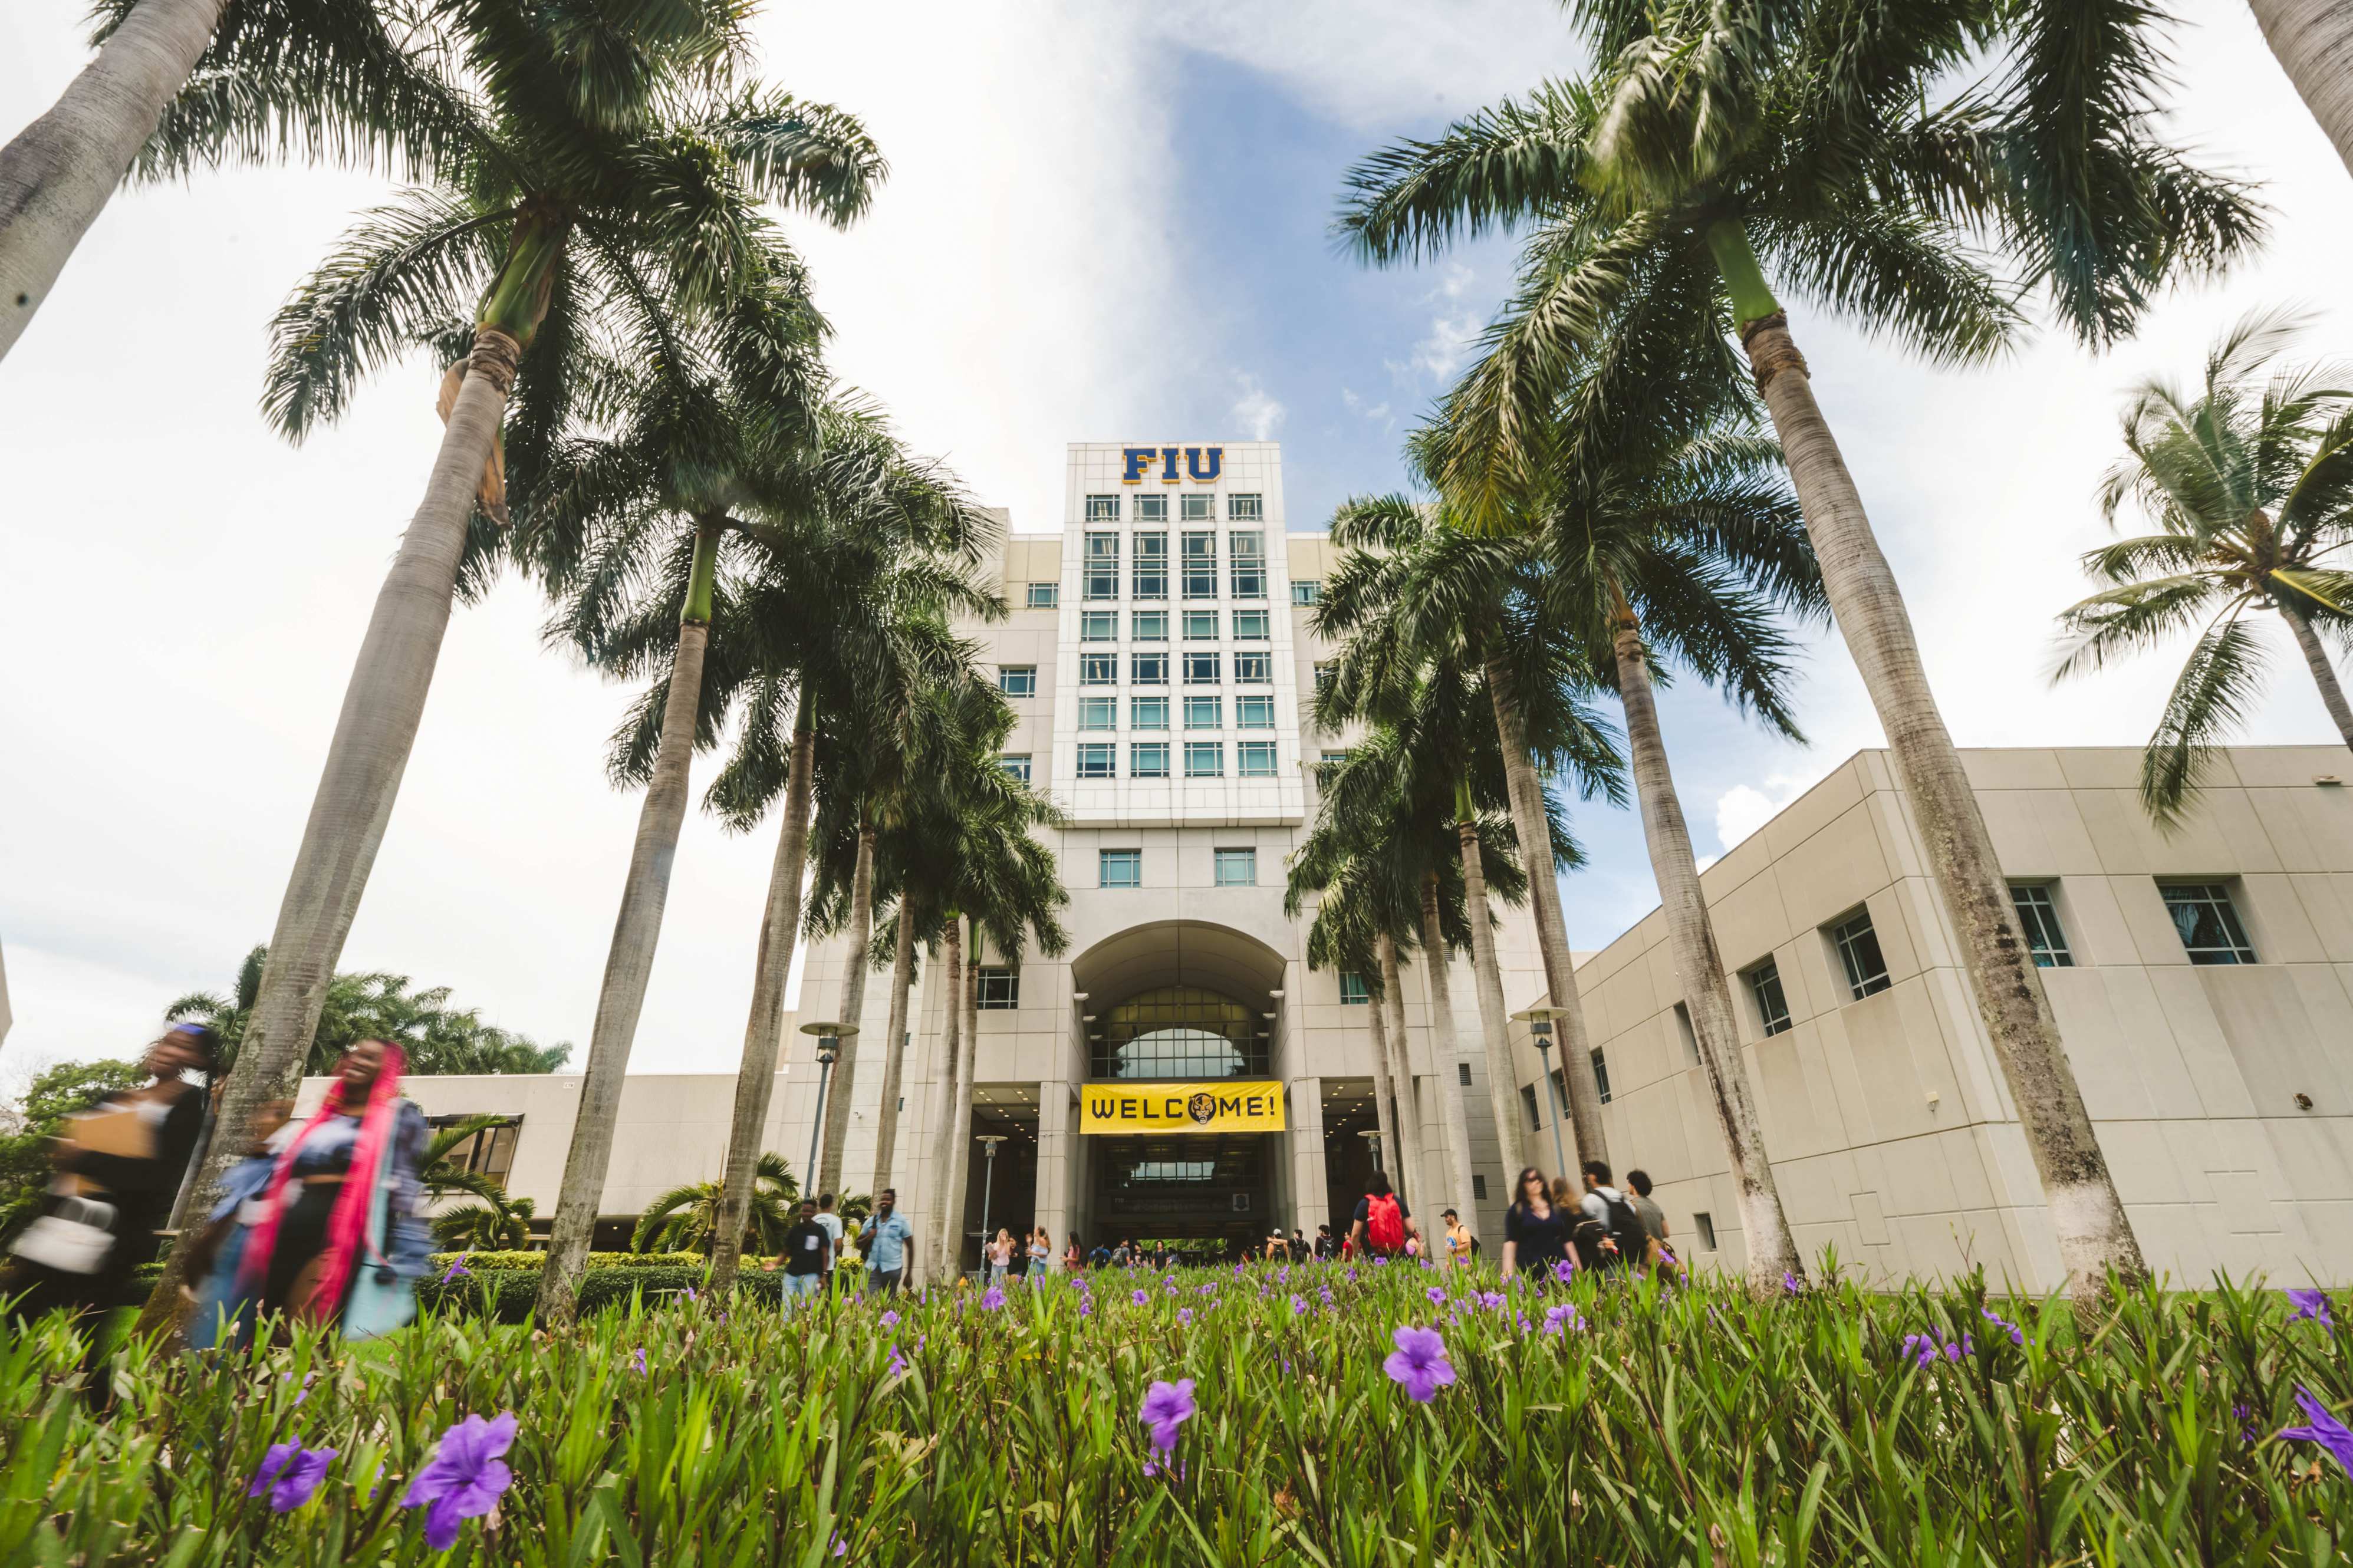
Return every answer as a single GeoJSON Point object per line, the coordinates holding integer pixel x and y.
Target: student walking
{"type": "Point", "coordinates": [887, 1236]}
{"type": "Point", "coordinates": [1458, 1239]}
{"type": "Point", "coordinates": [831, 1223]}
{"type": "Point", "coordinates": [1001, 1256]}
{"type": "Point", "coordinates": [808, 1246]}
{"type": "Point", "coordinates": [1535, 1232]}
{"type": "Point", "coordinates": [1656, 1254]}
{"type": "Point", "coordinates": [1041, 1258]}
{"type": "Point", "coordinates": [1382, 1224]}
{"type": "Point", "coordinates": [1621, 1243]}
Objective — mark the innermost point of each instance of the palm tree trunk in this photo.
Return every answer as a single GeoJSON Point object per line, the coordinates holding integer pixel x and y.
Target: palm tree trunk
{"type": "Point", "coordinates": [2095, 1235]}
{"type": "Point", "coordinates": [629, 961]}
{"type": "Point", "coordinates": [853, 1010]}
{"type": "Point", "coordinates": [1588, 1139]}
{"type": "Point", "coordinates": [1409, 1172]}
{"type": "Point", "coordinates": [1494, 1025]}
{"type": "Point", "coordinates": [955, 1139]}
{"type": "Point", "coordinates": [373, 734]}
{"type": "Point", "coordinates": [1691, 936]}
{"type": "Point", "coordinates": [1453, 1124]}
{"type": "Point", "coordinates": [894, 1048]}
{"type": "Point", "coordinates": [1383, 1085]}
{"type": "Point", "coordinates": [2313, 41]}
{"type": "Point", "coordinates": [2323, 675]}
{"type": "Point", "coordinates": [755, 1075]}
{"type": "Point", "coordinates": [57, 173]}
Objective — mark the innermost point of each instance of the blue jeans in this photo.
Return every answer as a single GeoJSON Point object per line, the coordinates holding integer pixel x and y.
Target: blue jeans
{"type": "Point", "coordinates": [799, 1286]}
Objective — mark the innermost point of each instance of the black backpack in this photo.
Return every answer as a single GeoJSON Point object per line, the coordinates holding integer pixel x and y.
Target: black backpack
{"type": "Point", "coordinates": [1626, 1230]}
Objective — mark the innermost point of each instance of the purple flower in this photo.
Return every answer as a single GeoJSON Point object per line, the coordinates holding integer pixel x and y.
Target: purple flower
{"type": "Point", "coordinates": [840, 1547]}
{"type": "Point", "coordinates": [994, 1299]}
{"type": "Point", "coordinates": [889, 1320]}
{"type": "Point", "coordinates": [1141, 1297]}
{"type": "Point", "coordinates": [2312, 1305]}
{"type": "Point", "coordinates": [690, 1294]}
{"type": "Point", "coordinates": [1418, 1362]}
{"type": "Point", "coordinates": [464, 1478]}
{"type": "Point", "coordinates": [1298, 1305]}
{"type": "Point", "coordinates": [2017, 1334]}
{"type": "Point", "coordinates": [639, 1360]}
{"type": "Point", "coordinates": [2323, 1428]}
{"type": "Point", "coordinates": [1565, 1271]}
{"type": "Point", "coordinates": [1789, 1284]}
{"type": "Point", "coordinates": [458, 1270]}
{"type": "Point", "coordinates": [1167, 1406]}
{"type": "Point", "coordinates": [1087, 1307]}
{"type": "Point", "coordinates": [2247, 1430]}
{"type": "Point", "coordinates": [1184, 1317]}
{"type": "Point", "coordinates": [1436, 1295]}
{"type": "Point", "coordinates": [290, 1473]}
{"type": "Point", "coordinates": [1561, 1319]}
{"type": "Point", "coordinates": [897, 1364]}
{"type": "Point", "coordinates": [1491, 1299]}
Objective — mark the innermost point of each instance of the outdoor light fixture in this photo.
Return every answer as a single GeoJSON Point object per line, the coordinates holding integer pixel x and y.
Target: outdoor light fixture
{"type": "Point", "coordinates": [828, 1051]}
{"type": "Point", "coordinates": [1540, 1023]}
{"type": "Point", "coordinates": [989, 1143]}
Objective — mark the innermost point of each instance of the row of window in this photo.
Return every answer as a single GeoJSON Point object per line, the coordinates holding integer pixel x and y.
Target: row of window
{"type": "Point", "coordinates": [1049, 595]}
{"type": "Point", "coordinates": [1151, 625]}
{"type": "Point", "coordinates": [1149, 759]}
{"type": "Point", "coordinates": [1200, 712]}
{"type": "Point", "coordinates": [1196, 562]}
{"type": "Point", "coordinates": [1201, 669]}
{"type": "Point", "coordinates": [2202, 912]}
{"type": "Point", "coordinates": [1241, 508]}
{"type": "Point", "coordinates": [1124, 867]}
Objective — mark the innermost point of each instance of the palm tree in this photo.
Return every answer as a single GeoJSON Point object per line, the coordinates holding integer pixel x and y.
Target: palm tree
{"type": "Point", "coordinates": [2313, 41]}
{"type": "Point", "coordinates": [1843, 147]}
{"type": "Point", "coordinates": [2250, 482]}
{"type": "Point", "coordinates": [863, 601]}
{"type": "Point", "coordinates": [686, 1220]}
{"type": "Point", "coordinates": [179, 84]}
{"type": "Point", "coordinates": [596, 201]}
{"type": "Point", "coordinates": [1341, 938]}
{"type": "Point", "coordinates": [502, 1225]}
{"type": "Point", "coordinates": [492, 1219]}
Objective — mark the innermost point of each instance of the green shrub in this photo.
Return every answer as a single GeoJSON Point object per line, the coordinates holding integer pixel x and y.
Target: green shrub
{"type": "Point", "coordinates": [481, 1260]}
{"type": "Point", "coordinates": [510, 1295]}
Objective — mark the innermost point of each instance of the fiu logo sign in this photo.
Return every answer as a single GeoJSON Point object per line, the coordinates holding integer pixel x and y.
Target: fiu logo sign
{"type": "Point", "coordinates": [1222, 1107]}
{"type": "Point", "coordinates": [1203, 464]}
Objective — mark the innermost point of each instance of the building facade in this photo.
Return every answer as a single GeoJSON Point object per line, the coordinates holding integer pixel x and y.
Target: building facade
{"type": "Point", "coordinates": [1160, 657]}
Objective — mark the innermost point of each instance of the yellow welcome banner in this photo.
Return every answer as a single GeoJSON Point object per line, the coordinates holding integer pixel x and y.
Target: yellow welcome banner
{"type": "Point", "coordinates": [1223, 1107]}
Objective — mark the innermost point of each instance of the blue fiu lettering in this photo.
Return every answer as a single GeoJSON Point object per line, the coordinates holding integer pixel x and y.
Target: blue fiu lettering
{"type": "Point", "coordinates": [1138, 459]}
{"type": "Point", "coordinates": [1193, 463]}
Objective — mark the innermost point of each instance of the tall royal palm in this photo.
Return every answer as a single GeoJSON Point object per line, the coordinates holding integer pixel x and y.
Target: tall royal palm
{"type": "Point", "coordinates": [1346, 934]}
{"type": "Point", "coordinates": [2250, 482]}
{"type": "Point", "coordinates": [2314, 42]}
{"type": "Point", "coordinates": [1844, 149]}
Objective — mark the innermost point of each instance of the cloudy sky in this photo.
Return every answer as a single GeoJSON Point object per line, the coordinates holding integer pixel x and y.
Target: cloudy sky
{"type": "Point", "coordinates": [1099, 220]}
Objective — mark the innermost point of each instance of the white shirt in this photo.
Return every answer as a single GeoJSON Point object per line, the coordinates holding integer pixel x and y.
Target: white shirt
{"type": "Point", "coordinates": [1596, 1204]}
{"type": "Point", "coordinates": [831, 1225]}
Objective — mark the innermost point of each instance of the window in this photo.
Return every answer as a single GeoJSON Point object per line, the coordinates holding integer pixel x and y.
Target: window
{"type": "Point", "coordinates": [1098, 625]}
{"type": "Point", "coordinates": [1198, 509]}
{"type": "Point", "coordinates": [1690, 1035]}
{"type": "Point", "coordinates": [1096, 760]}
{"type": "Point", "coordinates": [1200, 566]}
{"type": "Point", "coordinates": [1149, 626]}
{"type": "Point", "coordinates": [2038, 916]}
{"type": "Point", "coordinates": [1018, 679]}
{"type": "Point", "coordinates": [1152, 509]}
{"type": "Point", "coordinates": [1098, 712]}
{"type": "Point", "coordinates": [1205, 712]}
{"type": "Point", "coordinates": [1306, 590]}
{"type": "Point", "coordinates": [1462, 1073]}
{"type": "Point", "coordinates": [1149, 759]}
{"type": "Point", "coordinates": [1148, 713]}
{"type": "Point", "coordinates": [1201, 669]}
{"type": "Point", "coordinates": [1245, 509]}
{"type": "Point", "coordinates": [2210, 932]}
{"type": "Point", "coordinates": [1045, 595]}
{"type": "Point", "coordinates": [489, 1152]}
{"type": "Point", "coordinates": [1236, 868]}
{"type": "Point", "coordinates": [1247, 550]}
{"type": "Point", "coordinates": [1478, 1187]}
{"type": "Point", "coordinates": [1601, 1075]}
{"type": "Point", "coordinates": [1704, 1223]}
{"type": "Point", "coordinates": [1016, 764]}
{"type": "Point", "coordinates": [1200, 626]}
{"type": "Point", "coordinates": [1253, 713]}
{"type": "Point", "coordinates": [1149, 668]}
{"type": "Point", "coordinates": [1102, 574]}
{"type": "Point", "coordinates": [1152, 564]}
{"type": "Point", "coordinates": [1253, 669]}
{"type": "Point", "coordinates": [1528, 1104]}
{"type": "Point", "coordinates": [1250, 625]}
{"type": "Point", "coordinates": [1329, 767]}
{"type": "Point", "coordinates": [1255, 759]}
{"type": "Point", "coordinates": [1098, 669]}
{"type": "Point", "coordinates": [1205, 759]}
{"type": "Point", "coordinates": [1858, 949]}
{"type": "Point", "coordinates": [1326, 669]}
{"type": "Point", "coordinates": [1119, 868]}
{"type": "Point", "coordinates": [1772, 1006]}
{"type": "Point", "coordinates": [1353, 992]}
{"type": "Point", "coordinates": [1102, 509]}
{"type": "Point", "coordinates": [1000, 989]}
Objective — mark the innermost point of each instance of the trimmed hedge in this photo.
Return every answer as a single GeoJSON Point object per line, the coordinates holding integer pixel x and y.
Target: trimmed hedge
{"type": "Point", "coordinates": [508, 1295]}
{"type": "Point", "coordinates": [478, 1261]}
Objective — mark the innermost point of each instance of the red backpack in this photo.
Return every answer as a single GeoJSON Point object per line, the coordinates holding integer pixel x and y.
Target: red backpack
{"type": "Point", "coordinates": [1384, 1224]}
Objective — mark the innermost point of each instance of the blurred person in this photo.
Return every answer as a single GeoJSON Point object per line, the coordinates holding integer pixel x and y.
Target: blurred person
{"type": "Point", "coordinates": [1535, 1232]}
{"type": "Point", "coordinates": [886, 1237]}
{"type": "Point", "coordinates": [1458, 1239]}
{"type": "Point", "coordinates": [1621, 1244]}
{"type": "Point", "coordinates": [829, 1222]}
{"type": "Point", "coordinates": [808, 1246]}
{"type": "Point", "coordinates": [1657, 1254]}
{"type": "Point", "coordinates": [1382, 1226]}
{"type": "Point", "coordinates": [218, 1313]}
{"type": "Point", "coordinates": [1041, 1258]}
{"type": "Point", "coordinates": [1001, 1256]}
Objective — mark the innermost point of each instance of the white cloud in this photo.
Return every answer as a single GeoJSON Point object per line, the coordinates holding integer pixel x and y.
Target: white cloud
{"type": "Point", "coordinates": [1256, 410]}
{"type": "Point", "coordinates": [1739, 811]}
{"type": "Point", "coordinates": [1374, 412]}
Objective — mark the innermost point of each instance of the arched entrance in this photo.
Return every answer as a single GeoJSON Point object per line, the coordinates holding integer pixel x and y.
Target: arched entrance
{"type": "Point", "coordinates": [1181, 1001]}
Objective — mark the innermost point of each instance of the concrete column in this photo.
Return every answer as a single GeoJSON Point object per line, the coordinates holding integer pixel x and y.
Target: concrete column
{"type": "Point", "coordinates": [1311, 1203]}
{"type": "Point", "coordinates": [1058, 1161]}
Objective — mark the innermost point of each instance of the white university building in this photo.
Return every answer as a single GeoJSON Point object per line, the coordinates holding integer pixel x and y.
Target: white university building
{"type": "Point", "coordinates": [1159, 657]}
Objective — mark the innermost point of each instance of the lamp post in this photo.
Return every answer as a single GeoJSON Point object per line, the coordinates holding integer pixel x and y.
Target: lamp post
{"type": "Point", "coordinates": [828, 1051]}
{"type": "Point", "coordinates": [1372, 1137]}
{"type": "Point", "coordinates": [1540, 1023]}
{"type": "Point", "coordinates": [989, 1143]}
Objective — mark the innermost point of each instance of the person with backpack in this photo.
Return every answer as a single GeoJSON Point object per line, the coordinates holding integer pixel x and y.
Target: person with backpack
{"type": "Point", "coordinates": [1656, 1254]}
{"type": "Point", "coordinates": [1383, 1225]}
{"type": "Point", "coordinates": [1622, 1243]}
